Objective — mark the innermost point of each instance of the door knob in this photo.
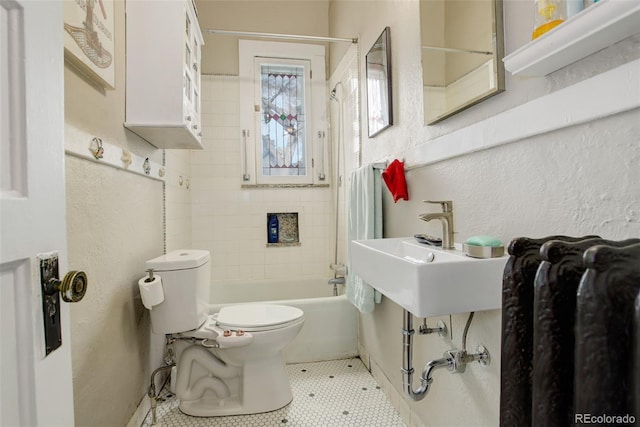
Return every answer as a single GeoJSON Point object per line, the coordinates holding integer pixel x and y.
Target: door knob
{"type": "Point", "coordinates": [72, 287]}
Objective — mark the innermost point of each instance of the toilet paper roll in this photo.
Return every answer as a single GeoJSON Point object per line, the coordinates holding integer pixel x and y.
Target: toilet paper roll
{"type": "Point", "coordinates": [151, 292]}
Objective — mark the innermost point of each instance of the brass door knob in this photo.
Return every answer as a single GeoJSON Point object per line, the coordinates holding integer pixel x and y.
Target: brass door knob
{"type": "Point", "coordinates": [72, 287]}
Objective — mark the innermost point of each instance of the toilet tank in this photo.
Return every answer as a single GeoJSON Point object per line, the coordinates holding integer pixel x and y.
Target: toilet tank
{"type": "Point", "coordinates": [185, 278]}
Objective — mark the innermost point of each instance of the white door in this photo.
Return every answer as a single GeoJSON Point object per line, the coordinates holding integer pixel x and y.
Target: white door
{"type": "Point", "coordinates": [35, 390]}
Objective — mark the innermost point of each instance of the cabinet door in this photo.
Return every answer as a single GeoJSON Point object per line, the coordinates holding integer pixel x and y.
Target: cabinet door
{"type": "Point", "coordinates": [196, 80]}
{"type": "Point", "coordinates": [188, 60]}
{"type": "Point", "coordinates": [192, 42]}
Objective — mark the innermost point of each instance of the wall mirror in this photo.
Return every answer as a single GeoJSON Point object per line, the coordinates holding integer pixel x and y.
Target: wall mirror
{"type": "Point", "coordinates": [378, 69]}
{"type": "Point", "coordinates": [462, 50]}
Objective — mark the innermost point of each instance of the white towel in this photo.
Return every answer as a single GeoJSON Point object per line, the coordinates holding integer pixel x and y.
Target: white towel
{"type": "Point", "coordinates": [365, 222]}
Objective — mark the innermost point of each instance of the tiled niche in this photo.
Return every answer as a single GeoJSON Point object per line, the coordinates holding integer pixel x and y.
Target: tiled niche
{"type": "Point", "coordinates": [289, 229]}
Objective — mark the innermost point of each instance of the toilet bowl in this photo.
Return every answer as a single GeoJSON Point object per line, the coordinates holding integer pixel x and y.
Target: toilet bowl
{"type": "Point", "coordinates": [248, 362]}
{"type": "Point", "coordinates": [227, 363]}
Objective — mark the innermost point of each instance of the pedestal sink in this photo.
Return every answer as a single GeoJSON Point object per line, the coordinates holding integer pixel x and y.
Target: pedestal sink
{"type": "Point", "coordinates": [428, 280]}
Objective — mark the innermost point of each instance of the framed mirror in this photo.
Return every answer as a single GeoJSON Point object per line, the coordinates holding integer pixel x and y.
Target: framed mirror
{"type": "Point", "coordinates": [378, 69]}
{"type": "Point", "coordinates": [462, 49]}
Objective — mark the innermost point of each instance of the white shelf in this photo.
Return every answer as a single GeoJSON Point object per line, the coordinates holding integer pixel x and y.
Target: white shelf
{"type": "Point", "coordinates": [600, 25]}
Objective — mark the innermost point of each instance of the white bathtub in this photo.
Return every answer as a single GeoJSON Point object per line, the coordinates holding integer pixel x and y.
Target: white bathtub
{"type": "Point", "coordinates": [330, 327]}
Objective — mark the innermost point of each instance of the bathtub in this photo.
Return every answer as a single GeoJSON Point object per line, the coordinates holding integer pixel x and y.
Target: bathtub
{"type": "Point", "coordinates": [330, 327]}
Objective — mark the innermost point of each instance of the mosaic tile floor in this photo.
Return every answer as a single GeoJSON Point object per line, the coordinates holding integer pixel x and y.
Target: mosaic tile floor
{"type": "Point", "coordinates": [336, 393]}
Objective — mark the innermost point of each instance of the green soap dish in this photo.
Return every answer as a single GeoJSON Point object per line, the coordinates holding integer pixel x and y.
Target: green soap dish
{"type": "Point", "coordinates": [483, 241]}
{"type": "Point", "coordinates": [483, 247]}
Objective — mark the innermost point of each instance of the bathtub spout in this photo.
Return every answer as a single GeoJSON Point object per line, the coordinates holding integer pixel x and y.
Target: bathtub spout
{"type": "Point", "coordinates": [336, 281]}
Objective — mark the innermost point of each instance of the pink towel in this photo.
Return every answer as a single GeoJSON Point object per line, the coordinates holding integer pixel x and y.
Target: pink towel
{"type": "Point", "coordinates": [396, 183]}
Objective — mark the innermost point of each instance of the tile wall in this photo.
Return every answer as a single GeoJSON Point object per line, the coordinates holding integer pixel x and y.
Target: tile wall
{"type": "Point", "coordinates": [231, 221]}
{"type": "Point", "coordinates": [178, 200]}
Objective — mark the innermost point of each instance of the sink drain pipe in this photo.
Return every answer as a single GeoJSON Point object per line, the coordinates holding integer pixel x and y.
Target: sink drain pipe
{"type": "Point", "coordinates": [454, 360]}
{"type": "Point", "coordinates": [407, 363]}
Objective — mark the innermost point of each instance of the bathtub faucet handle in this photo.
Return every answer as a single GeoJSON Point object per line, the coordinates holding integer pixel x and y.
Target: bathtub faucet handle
{"type": "Point", "coordinates": [339, 269]}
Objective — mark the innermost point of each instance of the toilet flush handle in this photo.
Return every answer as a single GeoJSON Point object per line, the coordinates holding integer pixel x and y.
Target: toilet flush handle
{"type": "Point", "coordinates": [207, 343]}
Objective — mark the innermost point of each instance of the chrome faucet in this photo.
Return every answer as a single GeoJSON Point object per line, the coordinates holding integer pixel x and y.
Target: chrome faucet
{"type": "Point", "coordinates": [446, 218]}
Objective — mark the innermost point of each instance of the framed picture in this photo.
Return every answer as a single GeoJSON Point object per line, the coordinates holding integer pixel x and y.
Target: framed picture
{"type": "Point", "coordinates": [378, 68]}
{"type": "Point", "coordinates": [89, 39]}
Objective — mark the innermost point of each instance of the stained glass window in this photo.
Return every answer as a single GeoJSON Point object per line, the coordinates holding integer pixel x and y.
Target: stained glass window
{"type": "Point", "coordinates": [283, 119]}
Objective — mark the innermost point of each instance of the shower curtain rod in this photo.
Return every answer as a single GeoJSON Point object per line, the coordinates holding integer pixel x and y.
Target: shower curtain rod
{"type": "Point", "coordinates": [449, 49]}
{"type": "Point", "coordinates": [281, 36]}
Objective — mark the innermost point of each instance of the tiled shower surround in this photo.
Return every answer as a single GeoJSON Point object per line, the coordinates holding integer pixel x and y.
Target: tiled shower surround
{"type": "Point", "coordinates": [230, 221]}
{"type": "Point", "coordinates": [337, 393]}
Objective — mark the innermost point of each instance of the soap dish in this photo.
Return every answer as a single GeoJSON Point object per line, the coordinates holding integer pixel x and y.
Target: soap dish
{"type": "Point", "coordinates": [483, 251]}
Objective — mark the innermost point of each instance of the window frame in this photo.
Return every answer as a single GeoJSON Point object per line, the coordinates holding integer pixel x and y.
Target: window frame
{"type": "Point", "coordinates": [251, 112]}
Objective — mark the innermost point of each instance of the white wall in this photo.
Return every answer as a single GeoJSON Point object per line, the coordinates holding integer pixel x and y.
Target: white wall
{"type": "Point", "coordinates": [578, 180]}
{"type": "Point", "coordinates": [114, 224]}
{"type": "Point", "coordinates": [220, 53]}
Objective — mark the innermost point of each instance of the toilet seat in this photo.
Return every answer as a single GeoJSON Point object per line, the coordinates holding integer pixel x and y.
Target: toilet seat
{"type": "Point", "coordinates": [257, 317]}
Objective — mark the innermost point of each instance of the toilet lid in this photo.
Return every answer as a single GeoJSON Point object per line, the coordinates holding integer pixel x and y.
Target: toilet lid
{"type": "Point", "coordinates": [252, 317]}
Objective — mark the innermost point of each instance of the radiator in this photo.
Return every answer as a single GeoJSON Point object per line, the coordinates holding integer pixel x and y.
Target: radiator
{"type": "Point", "coordinates": [563, 299]}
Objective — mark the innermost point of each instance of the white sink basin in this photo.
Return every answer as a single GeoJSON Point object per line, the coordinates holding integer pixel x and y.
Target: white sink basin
{"type": "Point", "coordinates": [427, 280]}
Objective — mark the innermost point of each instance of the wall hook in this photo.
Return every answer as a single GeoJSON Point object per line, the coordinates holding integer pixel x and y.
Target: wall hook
{"type": "Point", "coordinates": [126, 158]}
{"type": "Point", "coordinates": [96, 148]}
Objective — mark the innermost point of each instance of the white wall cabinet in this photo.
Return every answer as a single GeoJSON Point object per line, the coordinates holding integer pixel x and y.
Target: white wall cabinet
{"type": "Point", "coordinates": [163, 73]}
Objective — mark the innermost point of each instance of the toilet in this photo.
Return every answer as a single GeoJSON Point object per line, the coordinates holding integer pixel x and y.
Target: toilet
{"type": "Point", "coordinates": [227, 363]}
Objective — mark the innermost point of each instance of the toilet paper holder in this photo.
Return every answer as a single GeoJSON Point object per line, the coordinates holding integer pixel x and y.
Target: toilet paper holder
{"type": "Point", "coordinates": [151, 290]}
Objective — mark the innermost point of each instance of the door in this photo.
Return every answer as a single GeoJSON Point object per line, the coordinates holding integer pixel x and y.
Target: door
{"type": "Point", "coordinates": [35, 390]}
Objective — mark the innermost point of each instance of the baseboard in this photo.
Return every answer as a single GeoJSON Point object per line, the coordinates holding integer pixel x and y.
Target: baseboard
{"type": "Point", "coordinates": [364, 356]}
{"type": "Point", "coordinates": [141, 413]}
{"type": "Point", "coordinates": [398, 401]}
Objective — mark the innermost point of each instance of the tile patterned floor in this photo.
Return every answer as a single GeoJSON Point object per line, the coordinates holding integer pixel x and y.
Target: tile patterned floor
{"type": "Point", "coordinates": [336, 393]}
